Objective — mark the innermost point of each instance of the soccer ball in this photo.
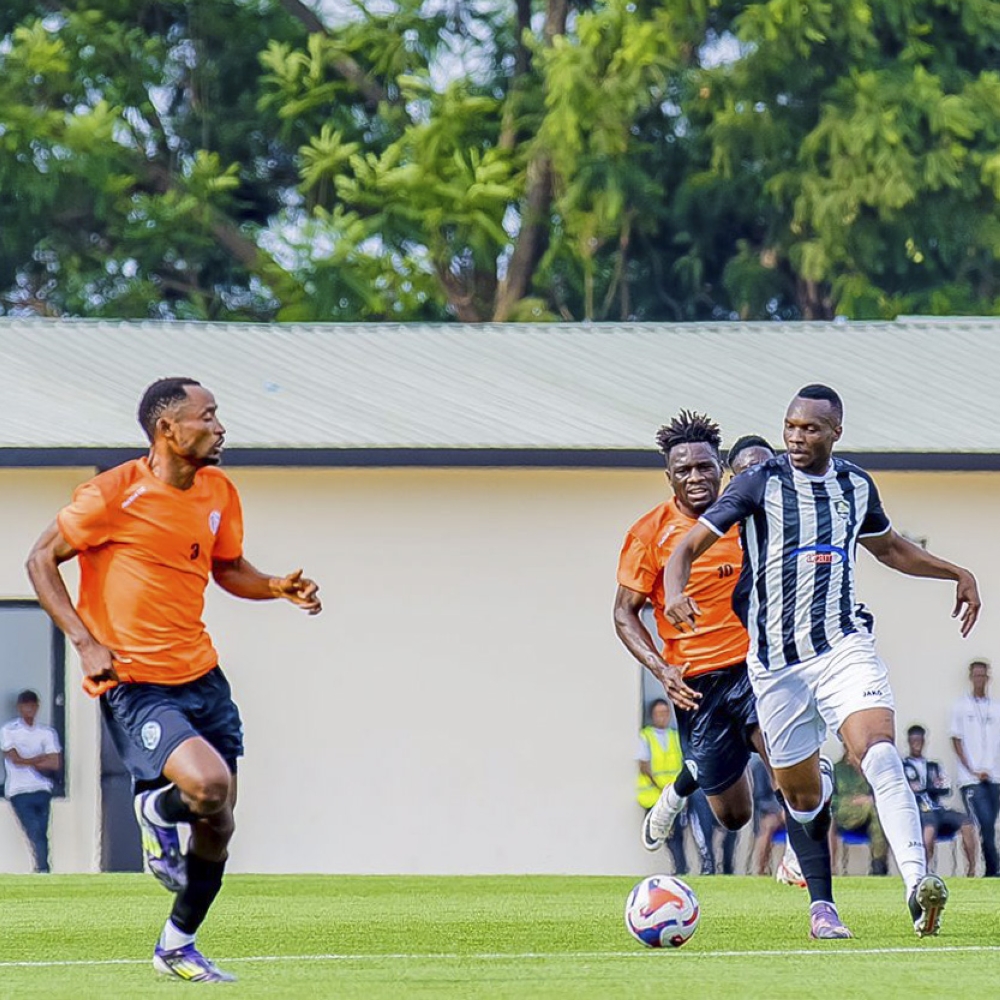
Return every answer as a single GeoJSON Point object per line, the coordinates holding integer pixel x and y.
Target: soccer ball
{"type": "Point", "coordinates": [661, 912]}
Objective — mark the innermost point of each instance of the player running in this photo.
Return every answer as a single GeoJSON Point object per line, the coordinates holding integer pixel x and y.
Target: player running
{"type": "Point", "coordinates": [812, 656]}
{"type": "Point", "coordinates": [716, 713]}
{"type": "Point", "coordinates": [148, 535]}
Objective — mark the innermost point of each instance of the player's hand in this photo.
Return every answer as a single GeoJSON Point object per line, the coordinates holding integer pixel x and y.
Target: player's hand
{"type": "Point", "coordinates": [967, 601]}
{"type": "Point", "coordinates": [99, 673]}
{"type": "Point", "coordinates": [677, 691]}
{"type": "Point", "coordinates": [683, 613]}
{"type": "Point", "coordinates": [300, 590]}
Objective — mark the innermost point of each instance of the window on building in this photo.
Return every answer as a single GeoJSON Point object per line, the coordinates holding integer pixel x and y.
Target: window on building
{"type": "Point", "coordinates": [33, 656]}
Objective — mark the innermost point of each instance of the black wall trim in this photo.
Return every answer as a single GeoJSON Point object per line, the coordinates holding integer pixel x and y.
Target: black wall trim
{"type": "Point", "coordinates": [543, 458]}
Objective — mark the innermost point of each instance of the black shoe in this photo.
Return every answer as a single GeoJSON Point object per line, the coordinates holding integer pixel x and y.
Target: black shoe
{"type": "Point", "coordinates": [926, 903]}
{"type": "Point", "coordinates": [879, 867]}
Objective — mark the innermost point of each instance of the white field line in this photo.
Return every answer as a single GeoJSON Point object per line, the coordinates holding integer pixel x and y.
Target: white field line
{"type": "Point", "coordinates": [500, 956]}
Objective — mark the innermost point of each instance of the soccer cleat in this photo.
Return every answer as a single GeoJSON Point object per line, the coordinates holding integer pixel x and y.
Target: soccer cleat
{"type": "Point", "coordinates": [825, 923]}
{"type": "Point", "coordinates": [788, 871]}
{"type": "Point", "coordinates": [189, 964]}
{"type": "Point", "coordinates": [926, 902]}
{"type": "Point", "coordinates": [162, 848]}
{"type": "Point", "coordinates": [656, 828]}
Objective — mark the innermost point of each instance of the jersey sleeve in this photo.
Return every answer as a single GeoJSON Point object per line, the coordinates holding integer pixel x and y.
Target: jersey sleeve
{"type": "Point", "coordinates": [876, 521]}
{"type": "Point", "coordinates": [741, 498]}
{"type": "Point", "coordinates": [50, 741]}
{"type": "Point", "coordinates": [229, 540]}
{"type": "Point", "coordinates": [637, 568]}
{"type": "Point", "coordinates": [6, 739]}
{"type": "Point", "coordinates": [85, 522]}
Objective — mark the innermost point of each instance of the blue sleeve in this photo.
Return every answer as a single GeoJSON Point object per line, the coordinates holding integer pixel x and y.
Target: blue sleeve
{"type": "Point", "coordinates": [876, 521]}
{"type": "Point", "coordinates": [742, 497]}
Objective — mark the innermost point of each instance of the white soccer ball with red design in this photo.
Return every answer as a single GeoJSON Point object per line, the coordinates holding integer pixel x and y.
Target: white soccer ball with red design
{"type": "Point", "coordinates": [661, 912]}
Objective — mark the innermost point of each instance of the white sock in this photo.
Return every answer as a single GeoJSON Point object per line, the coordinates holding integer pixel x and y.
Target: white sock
{"type": "Point", "coordinates": [826, 791]}
{"type": "Point", "coordinates": [668, 805]}
{"type": "Point", "coordinates": [150, 807]}
{"type": "Point", "coordinates": [172, 938]}
{"type": "Point", "coordinates": [897, 811]}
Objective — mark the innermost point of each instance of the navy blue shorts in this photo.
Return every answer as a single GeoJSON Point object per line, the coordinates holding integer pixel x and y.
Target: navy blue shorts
{"type": "Point", "coordinates": [147, 722]}
{"type": "Point", "coordinates": [716, 737]}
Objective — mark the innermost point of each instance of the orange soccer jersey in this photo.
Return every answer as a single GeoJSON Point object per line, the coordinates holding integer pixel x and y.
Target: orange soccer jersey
{"type": "Point", "coordinates": [146, 551]}
{"type": "Point", "coordinates": [721, 641]}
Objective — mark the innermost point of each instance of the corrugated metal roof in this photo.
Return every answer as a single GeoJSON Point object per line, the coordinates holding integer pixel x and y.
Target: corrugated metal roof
{"type": "Point", "coordinates": [916, 385]}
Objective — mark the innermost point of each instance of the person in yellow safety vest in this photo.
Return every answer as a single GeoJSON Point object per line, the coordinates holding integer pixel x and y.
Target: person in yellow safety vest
{"type": "Point", "coordinates": [660, 759]}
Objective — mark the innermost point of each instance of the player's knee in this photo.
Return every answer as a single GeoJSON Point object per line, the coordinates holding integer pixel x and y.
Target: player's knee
{"type": "Point", "coordinates": [803, 800]}
{"type": "Point", "coordinates": [735, 818]}
{"type": "Point", "coordinates": [210, 793]}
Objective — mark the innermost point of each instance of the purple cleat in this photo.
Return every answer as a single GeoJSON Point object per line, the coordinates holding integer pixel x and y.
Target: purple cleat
{"type": "Point", "coordinates": [825, 923]}
{"type": "Point", "coordinates": [189, 964]}
{"type": "Point", "coordinates": [162, 848]}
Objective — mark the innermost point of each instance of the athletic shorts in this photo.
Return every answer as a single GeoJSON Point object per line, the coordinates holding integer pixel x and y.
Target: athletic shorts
{"type": "Point", "coordinates": [147, 722]}
{"type": "Point", "coordinates": [797, 704]}
{"type": "Point", "coordinates": [715, 738]}
{"type": "Point", "coordinates": [946, 822]}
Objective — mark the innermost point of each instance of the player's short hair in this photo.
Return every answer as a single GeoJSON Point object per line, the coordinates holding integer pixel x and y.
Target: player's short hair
{"type": "Point", "coordinates": [27, 697]}
{"type": "Point", "coordinates": [979, 663]}
{"type": "Point", "coordinates": [747, 441]}
{"type": "Point", "coordinates": [818, 391]}
{"type": "Point", "coordinates": [689, 427]}
{"type": "Point", "coordinates": [917, 730]}
{"type": "Point", "coordinates": [161, 395]}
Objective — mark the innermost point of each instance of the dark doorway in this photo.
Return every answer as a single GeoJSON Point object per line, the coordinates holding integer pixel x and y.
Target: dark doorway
{"type": "Point", "coordinates": [121, 846]}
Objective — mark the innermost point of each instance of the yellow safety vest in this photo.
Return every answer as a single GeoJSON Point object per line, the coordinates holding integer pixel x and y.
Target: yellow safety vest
{"type": "Point", "coordinates": [665, 765]}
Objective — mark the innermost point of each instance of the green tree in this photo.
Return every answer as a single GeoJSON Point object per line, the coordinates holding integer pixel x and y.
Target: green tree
{"type": "Point", "coordinates": [487, 160]}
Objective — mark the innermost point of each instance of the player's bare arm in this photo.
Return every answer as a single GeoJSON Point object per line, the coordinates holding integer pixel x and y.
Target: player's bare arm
{"type": "Point", "coordinates": [902, 555]}
{"type": "Point", "coordinates": [680, 609]}
{"type": "Point", "coordinates": [241, 579]}
{"type": "Point", "coordinates": [637, 640]}
{"type": "Point", "coordinates": [43, 563]}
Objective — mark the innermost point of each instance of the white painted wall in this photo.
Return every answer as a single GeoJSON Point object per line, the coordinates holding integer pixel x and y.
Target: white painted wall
{"type": "Point", "coordinates": [463, 705]}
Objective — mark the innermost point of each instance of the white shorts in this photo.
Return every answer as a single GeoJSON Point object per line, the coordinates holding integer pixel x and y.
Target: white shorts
{"type": "Point", "coordinates": [796, 705]}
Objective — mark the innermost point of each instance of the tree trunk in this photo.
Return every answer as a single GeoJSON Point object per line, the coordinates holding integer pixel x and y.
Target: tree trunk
{"type": "Point", "coordinates": [533, 237]}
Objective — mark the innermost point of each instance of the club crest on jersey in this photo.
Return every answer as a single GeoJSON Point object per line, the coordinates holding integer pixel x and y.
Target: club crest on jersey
{"type": "Point", "coordinates": [842, 508]}
{"type": "Point", "coordinates": [150, 735]}
{"type": "Point", "coordinates": [214, 520]}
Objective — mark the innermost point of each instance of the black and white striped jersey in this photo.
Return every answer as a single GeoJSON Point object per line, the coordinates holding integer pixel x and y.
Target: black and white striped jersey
{"type": "Point", "coordinates": [800, 535]}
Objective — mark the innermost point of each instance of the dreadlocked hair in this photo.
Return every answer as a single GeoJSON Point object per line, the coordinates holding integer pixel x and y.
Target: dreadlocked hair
{"type": "Point", "coordinates": [689, 427]}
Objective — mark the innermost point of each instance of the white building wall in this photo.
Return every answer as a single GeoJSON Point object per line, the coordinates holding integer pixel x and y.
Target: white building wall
{"type": "Point", "coordinates": [462, 705]}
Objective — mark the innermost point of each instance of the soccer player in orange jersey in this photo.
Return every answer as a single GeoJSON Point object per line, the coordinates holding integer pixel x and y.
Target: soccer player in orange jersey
{"type": "Point", "coordinates": [148, 535]}
{"type": "Point", "coordinates": [704, 673]}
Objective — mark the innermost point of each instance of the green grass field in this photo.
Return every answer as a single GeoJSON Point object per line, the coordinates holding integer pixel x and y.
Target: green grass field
{"type": "Point", "coordinates": [387, 937]}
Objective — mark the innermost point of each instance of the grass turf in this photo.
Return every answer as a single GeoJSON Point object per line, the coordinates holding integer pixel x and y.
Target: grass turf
{"type": "Point", "coordinates": [505, 937]}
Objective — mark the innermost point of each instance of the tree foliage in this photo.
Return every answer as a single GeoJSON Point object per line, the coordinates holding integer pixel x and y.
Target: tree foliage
{"type": "Point", "coordinates": [488, 160]}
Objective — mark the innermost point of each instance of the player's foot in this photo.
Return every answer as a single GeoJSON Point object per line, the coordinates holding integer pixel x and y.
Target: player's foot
{"type": "Point", "coordinates": [926, 902]}
{"type": "Point", "coordinates": [189, 964]}
{"type": "Point", "coordinates": [659, 821]}
{"type": "Point", "coordinates": [825, 923]}
{"type": "Point", "coordinates": [789, 873]}
{"type": "Point", "coordinates": [162, 848]}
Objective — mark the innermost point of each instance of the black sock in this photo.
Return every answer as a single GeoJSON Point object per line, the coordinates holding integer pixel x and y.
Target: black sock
{"type": "Point", "coordinates": [814, 858]}
{"type": "Point", "coordinates": [818, 828]}
{"type": "Point", "coordinates": [685, 783]}
{"type": "Point", "coordinates": [170, 807]}
{"type": "Point", "coordinates": [204, 880]}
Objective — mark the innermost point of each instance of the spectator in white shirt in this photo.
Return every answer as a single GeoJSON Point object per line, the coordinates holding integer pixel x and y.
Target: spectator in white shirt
{"type": "Point", "coordinates": [975, 735]}
{"type": "Point", "coordinates": [31, 754]}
